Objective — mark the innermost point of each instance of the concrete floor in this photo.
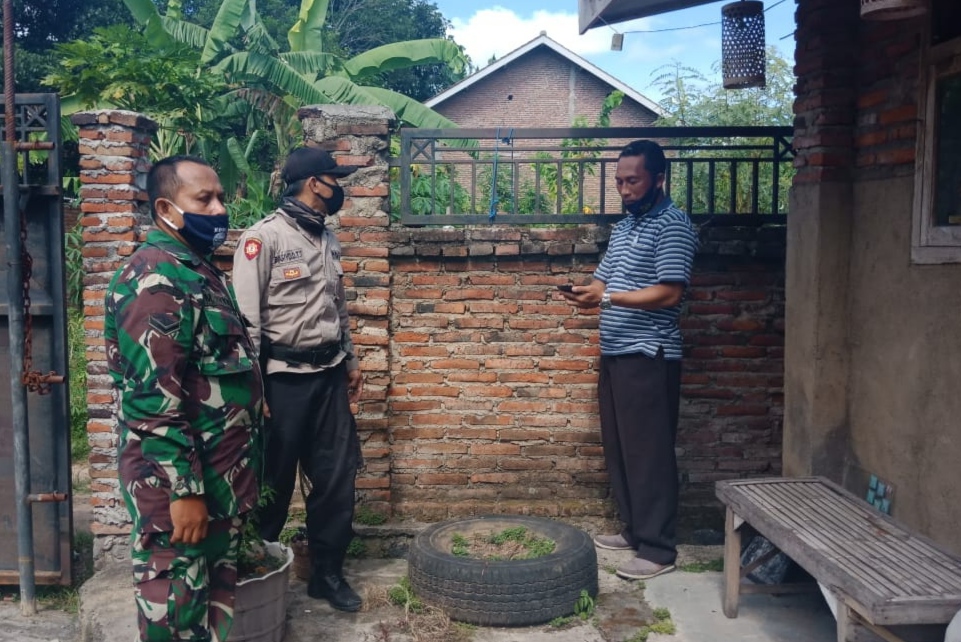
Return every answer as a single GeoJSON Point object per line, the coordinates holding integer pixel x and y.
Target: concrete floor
{"type": "Point", "coordinates": [694, 600]}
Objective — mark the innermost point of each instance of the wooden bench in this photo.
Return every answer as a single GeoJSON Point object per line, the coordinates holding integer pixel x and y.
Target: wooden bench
{"type": "Point", "coordinates": [881, 573]}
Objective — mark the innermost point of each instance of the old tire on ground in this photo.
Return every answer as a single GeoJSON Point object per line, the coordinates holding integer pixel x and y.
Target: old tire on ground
{"type": "Point", "coordinates": [503, 593]}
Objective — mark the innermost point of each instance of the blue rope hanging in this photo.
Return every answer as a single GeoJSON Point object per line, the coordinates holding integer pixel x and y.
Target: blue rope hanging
{"type": "Point", "coordinates": [492, 212]}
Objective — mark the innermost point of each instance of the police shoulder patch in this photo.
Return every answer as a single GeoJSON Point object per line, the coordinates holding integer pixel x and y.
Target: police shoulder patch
{"type": "Point", "coordinates": [252, 247]}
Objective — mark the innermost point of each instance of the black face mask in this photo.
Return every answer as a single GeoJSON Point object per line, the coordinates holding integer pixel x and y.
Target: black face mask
{"type": "Point", "coordinates": [202, 232]}
{"type": "Point", "coordinates": [335, 201]}
{"type": "Point", "coordinates": [308, 218]}
{"type": "Point", "coordinates": [646, 203]}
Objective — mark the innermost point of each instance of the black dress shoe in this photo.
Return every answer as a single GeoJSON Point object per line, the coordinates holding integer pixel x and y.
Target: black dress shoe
{"type": "Point", "coordinates": [334, 589]}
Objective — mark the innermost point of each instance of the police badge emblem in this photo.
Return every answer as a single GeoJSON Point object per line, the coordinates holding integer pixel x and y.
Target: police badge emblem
{"type": "Point", "coordinates": [252, 248]}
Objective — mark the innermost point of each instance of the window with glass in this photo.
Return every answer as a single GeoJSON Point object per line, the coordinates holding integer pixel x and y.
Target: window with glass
{"type": "Point", "coordinates": [936, 236]}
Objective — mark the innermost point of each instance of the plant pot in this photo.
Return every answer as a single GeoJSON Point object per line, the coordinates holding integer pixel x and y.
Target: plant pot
{"type": "Point", "coordinates": [260, 606]}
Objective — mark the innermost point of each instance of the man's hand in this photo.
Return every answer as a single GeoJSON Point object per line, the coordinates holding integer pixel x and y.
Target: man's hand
{"type": "Point", "coordinates": [585, 296]}
{"type": "Point", "coordinates": [189, 516]}
{"type": "Point", "coordinates": [355, 385]}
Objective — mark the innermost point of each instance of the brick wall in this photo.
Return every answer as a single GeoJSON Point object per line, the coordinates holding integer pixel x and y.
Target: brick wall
{"type": "Point", "coordinates": [114, 148]}
{"type": "Point", "coordinates": [856, 94]}
{"type": "Point", "coordinates": [887, 125]}
{"type": "Point", "coordinates": [732, 401]}
{"type": "Point", "coordinates": [493, 397]}
{"type": "Point", "coordinates": [479, 380]}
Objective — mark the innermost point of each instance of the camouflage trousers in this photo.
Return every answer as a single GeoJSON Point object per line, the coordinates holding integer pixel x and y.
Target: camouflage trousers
{"type": "Point", "coordinates": [186, 592]}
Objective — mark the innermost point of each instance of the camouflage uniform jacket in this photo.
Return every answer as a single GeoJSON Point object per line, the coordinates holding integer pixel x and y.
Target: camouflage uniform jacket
{"type": "Point", "coordinates": [190, 390]}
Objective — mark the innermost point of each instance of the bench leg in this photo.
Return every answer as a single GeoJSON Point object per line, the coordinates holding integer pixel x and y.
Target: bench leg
{"type": "Point", "coordinates": [845, 622]}
{"type": "Point", "coordinates": [732, 563]}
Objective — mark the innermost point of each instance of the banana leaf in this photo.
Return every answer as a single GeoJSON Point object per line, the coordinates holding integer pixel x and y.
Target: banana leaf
{"type": "Point", "coordinates": [307, 34]}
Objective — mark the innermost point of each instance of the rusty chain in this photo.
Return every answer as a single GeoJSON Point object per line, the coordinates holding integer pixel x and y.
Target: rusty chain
{"type": "Point", "coordinates": [33, 380]}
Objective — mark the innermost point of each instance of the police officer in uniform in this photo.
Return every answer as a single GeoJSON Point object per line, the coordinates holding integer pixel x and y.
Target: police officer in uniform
{"type": "Point", "coordinates": [190, 396]}
{"type": "Point", "coordinates": [289, 283]}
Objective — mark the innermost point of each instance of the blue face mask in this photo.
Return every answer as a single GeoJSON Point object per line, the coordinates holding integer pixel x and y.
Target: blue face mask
{"type": "Point", "coordinates": [204, 233]}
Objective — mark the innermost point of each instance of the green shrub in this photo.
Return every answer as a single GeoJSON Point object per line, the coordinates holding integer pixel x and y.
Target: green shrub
{"type": "Point", "coordinates": [77, 382]}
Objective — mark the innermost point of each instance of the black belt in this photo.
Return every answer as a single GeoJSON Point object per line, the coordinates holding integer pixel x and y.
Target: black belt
{"type": "Point", "coordinates": [322, 355]}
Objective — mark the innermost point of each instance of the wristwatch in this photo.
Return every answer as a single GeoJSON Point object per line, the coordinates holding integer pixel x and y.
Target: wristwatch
{"type": "Point", "coordinates": [605, 301]}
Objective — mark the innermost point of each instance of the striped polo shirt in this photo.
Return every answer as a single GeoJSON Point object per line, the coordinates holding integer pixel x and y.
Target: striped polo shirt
{"type": "Point", "coordinates": [658, 247]}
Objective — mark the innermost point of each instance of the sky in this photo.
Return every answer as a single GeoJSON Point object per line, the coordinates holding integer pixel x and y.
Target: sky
{"type": "Point", "coordinates": [497, 27]}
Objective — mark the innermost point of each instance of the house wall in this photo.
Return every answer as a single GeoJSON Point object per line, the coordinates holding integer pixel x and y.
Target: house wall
{"type": "Point", "coordinates": [540, 89]}
{"type": "Point", "coordinates": [872, 350]}
{"type": "Point", "coordinates": [480, 382]}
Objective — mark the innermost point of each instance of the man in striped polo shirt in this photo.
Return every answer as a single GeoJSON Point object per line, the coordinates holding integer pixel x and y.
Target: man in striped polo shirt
{"type": "Point", "coordinates": [639, 287]}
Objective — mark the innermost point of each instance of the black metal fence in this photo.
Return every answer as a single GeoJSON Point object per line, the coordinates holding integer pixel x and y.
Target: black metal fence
{"type": "Point", "coordinates": [735, 175]}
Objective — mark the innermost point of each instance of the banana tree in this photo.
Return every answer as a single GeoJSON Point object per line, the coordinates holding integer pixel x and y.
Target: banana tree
{"type": "Point", "coordinates": [238, 48]}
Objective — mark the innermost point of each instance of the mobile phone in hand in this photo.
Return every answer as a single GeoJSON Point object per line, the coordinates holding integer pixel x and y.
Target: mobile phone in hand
{"type": "Point", "coordinates": [566, 287]}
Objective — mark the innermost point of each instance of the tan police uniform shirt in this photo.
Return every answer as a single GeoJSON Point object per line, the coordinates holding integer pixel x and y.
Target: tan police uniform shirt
{"type": "Point", "coordinates": [289, 284]}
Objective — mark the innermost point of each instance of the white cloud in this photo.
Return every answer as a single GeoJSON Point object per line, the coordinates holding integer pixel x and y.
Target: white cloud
{"type": "Point", "coordinates": [498, 31]}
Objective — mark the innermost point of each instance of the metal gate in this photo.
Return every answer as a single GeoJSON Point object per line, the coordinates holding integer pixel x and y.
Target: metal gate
{"type": "Point", "coordinates": [37, 156]}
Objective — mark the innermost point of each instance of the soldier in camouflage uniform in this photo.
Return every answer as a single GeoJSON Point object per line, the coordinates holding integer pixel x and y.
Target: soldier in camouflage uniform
{"type": "Point", "coordinates": [190, 395]}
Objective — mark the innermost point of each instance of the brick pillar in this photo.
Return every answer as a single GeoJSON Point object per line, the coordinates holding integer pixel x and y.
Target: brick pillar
{"type": "Point", "coordinates": [114, 159]}
{"type": "Point", "coordinates": [358, 135]}
{"type": "Point", "coordinates": [816, 429]}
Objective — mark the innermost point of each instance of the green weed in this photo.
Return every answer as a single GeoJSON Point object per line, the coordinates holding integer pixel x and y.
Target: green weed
{"type": "Point", "coordinates": [83, 556]}
{"type": "Point", "coordinates": [715, 565]}
{"type": "Point", "coordinates": [538, 547]}
{"type": "Point", "coordinates": [534, 546]}
{"type": "Point", "coordinates": [77, 383]}
{"type": "Point", "coordinates": [81, 486]}
{"type": "Point", "coordinates": [297, 516]}
{"type": "Point", "coordinates": [356, 548]}
{"type": "Point", "coordinates": [584, 606]}
{"type": "Point", "coordinates": [460, 546]}
{"type": "Point", "coordinates": [369, 517]}
{"type": "Point", "coordinates": [61, 598]}
{"type": "Point", "coordinates": [531, 546]}
{"type": "Point", "coordinates": [515, 534]}
{"type": "Point", "coordinates": [291, 533]}
{"type": "Point", "coordinates": [663, 625]}
{"type": "Point", "coordinates": [661, 614]}
{"type": "Point", "coordinates": [401, 594]}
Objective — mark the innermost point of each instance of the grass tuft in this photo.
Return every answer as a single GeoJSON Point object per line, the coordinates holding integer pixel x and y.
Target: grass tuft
{"type": "Point", "coordinates": [369, 517]}
{"type": "Point", "coordinates": [715, 565]}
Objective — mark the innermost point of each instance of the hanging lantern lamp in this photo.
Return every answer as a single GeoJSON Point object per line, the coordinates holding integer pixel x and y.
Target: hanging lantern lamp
{"type": "Point", "coordinates": [892, 9]}
{"type": "Point", "coordinates": [742, 44]}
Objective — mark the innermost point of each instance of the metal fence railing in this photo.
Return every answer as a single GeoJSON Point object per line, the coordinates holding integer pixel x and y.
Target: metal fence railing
{"type": "Point", "coordinates": [562, 176]}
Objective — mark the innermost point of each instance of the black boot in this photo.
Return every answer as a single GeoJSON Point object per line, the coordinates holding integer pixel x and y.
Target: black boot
{"type": "Point", "coordinates": [327, 582]}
